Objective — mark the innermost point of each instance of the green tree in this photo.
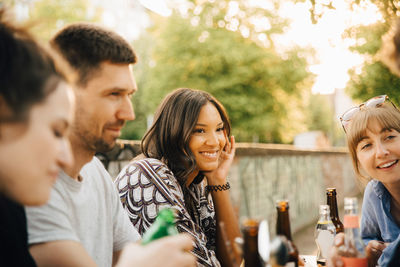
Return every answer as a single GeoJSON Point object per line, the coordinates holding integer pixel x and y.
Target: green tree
{"type": "Point", "coordinates": [51, 15]}
{"type": "Point", "coordinates": [260, 89]}
{"type": "Point", "coordinates": [373, 78]}
{"type": "Point", "coordinates": [48, 16]}
{"type": "Point", "coordinates": [135, 130]}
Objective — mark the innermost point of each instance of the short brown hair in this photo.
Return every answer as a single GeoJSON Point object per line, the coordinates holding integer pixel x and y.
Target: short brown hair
{"type": "Point", "coordinates": [85, 46]}
{"type": "Point", "coordinates": [386, 115]}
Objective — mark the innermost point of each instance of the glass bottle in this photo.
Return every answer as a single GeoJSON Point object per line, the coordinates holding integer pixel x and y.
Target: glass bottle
{"type": "Point", "coordinates": [164, 225]}
{"type": "Point", "coordinates": [250, 246]}
{"type": "Point", "coordinates": [283, 228]}
{"type": "Point", "coordinates": [352, 251]}
{"type": "Point", "coordinates": [324, 234]}
{"type": "Point", "coordinates": [331, 201]}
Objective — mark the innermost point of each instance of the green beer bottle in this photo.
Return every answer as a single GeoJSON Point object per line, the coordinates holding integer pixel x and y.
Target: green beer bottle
{"type": "Point", "coordinates": [164, 225]}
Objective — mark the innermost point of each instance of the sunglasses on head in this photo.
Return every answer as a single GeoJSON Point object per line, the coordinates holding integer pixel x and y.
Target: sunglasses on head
{"type": "Point", "coordinates": [374, 102]}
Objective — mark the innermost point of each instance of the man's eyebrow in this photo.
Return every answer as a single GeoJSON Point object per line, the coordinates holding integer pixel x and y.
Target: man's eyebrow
{"type": "Point", "coordinates": [120, 89]}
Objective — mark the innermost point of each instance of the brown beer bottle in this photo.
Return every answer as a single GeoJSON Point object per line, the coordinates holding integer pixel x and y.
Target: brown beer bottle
{"type": "Point", "coordinates": [250, 246]}
{"type": "Point", "coordinates": [283, 228]}
{"type": "Point", "coordinates": [331, 201]}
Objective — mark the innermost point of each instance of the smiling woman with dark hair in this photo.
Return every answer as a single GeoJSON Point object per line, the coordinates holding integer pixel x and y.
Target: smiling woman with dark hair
{"type": "Point", "coordinates": [187, 159]}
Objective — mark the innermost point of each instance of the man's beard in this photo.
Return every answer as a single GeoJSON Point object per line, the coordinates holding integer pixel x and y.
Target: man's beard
{"type": "Point", "coordinates": [101, 146]}
{"type": "Point", "coordinates": [98, 143]}
{"type": "Point", "coordinates": [95, 143]}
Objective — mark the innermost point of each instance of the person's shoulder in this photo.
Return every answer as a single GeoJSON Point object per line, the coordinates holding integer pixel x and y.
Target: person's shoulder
{"type": "Point", "coordinates": [373, 195]}
{"type": "Point", "coordinates": [94, 168]}
{"type": "Point", "coordinates": [143, 164]}
{"type": "Point", "coordinates": [371, 187]}
{"type": "Point", "coordinates": [148, 161]}
{"type": "Point", "coordinates": [95, 163]}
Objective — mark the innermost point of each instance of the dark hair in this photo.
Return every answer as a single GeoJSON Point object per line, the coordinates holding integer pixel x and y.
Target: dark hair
{"type": "Point", "coordinates": [174, 122]}
{"type": "Point", "coordinates": [27, 72]}
{"type": "Point", "coordinates": [86, 46]}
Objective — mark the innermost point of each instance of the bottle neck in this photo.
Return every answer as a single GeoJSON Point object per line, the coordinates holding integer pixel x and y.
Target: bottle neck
{"type": "Point", "coordinates": [324, 217]}
{"type": "Point", "coordinates": [283, 224]}
{"type": "Point", "coordinates": [331, 201]}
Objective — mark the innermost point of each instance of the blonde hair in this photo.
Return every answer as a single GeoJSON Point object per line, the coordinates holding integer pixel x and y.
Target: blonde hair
{"type": "Point", "coordinates": [387, 116]}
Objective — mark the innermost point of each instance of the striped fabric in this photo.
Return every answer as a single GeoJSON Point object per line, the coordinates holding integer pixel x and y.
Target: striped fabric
{"type": "Point", "coordinates": [147, 186]}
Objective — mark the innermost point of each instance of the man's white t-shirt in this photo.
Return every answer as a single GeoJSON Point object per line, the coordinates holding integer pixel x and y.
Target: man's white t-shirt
{"type": "Point", "coordinates": [87, 211]}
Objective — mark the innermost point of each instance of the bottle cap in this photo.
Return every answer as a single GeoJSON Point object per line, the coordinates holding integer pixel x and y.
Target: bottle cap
{"type": "Point", "coordinates": [167, 214]}
{"type": "Point", "coordinates": [350, 203]}
{"type": "Point", "coordinates": [331, 190]}
{"type": "Point", "coordinates": [324, 209]}
{"type": "Point", "coordinates": [282, 204]}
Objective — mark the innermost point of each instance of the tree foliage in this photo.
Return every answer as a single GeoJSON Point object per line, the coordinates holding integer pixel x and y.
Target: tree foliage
{"type": "Point", "coordinates": [373, 78]}
{"type": "Point", "coordinates": [261, 89]}
{"type": "Point", "coordinates": [48, 16]}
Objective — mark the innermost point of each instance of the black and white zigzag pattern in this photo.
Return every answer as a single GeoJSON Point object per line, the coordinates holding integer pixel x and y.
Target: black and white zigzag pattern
{"type": "Point", "coordinates": [147, 186]}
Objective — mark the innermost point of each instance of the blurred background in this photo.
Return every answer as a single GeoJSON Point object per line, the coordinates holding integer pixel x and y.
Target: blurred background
{"type": "Point", "coordinates": [284, 69]}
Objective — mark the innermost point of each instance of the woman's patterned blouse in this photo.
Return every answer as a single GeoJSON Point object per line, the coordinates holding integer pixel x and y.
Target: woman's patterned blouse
{"type": "Point", "coordinates": [147, 186]}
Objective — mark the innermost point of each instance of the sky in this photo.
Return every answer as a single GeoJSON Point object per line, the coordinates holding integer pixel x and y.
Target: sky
{"type": "Point", "coordinates": [333, 58]}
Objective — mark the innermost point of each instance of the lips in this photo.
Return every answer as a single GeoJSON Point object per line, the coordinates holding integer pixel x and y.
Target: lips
{"type": "Point", "coordinates": [210, 154]}
{"type": "Point", "coordinates": [388, 164]}
{"type": "Point", "coordinates": [115, 131]}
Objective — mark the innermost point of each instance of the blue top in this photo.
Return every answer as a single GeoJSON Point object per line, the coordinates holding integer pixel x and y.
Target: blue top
{"type": "Point", "coordinates": [377, 222]}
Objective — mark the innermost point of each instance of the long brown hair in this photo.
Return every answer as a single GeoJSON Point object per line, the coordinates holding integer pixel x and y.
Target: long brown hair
{"type": "Point", "coordinates": [174, 122]}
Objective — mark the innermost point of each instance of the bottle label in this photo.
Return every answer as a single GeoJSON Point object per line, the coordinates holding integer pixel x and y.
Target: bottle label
{"type": "Point", "coordinates": [324, 241]}
{"type": "Point", "coordinates": [351, 221]}
{"type": "Point", "coordinates": [355, 262]}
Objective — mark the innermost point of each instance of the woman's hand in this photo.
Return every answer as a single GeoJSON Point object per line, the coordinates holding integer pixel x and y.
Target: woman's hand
{"type": "Point", "coordinates": [374, 250]}
{"type": "Point", "coordinates": [218, 176]}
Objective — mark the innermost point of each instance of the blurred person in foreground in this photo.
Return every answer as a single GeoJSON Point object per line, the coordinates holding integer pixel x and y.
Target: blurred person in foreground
{"type": "Point", "coordinates": [36, 106]}
{"type": "Point", "coordinates": [380, 221]}
{"type": "Point", "coordinates": [84, 224]}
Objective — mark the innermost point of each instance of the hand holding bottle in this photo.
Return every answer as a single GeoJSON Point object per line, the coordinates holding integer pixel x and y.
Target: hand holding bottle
{"type": "Point", "coordinates": [374, 250]}
{"type": "Point", "coordinates": [169, 251]}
